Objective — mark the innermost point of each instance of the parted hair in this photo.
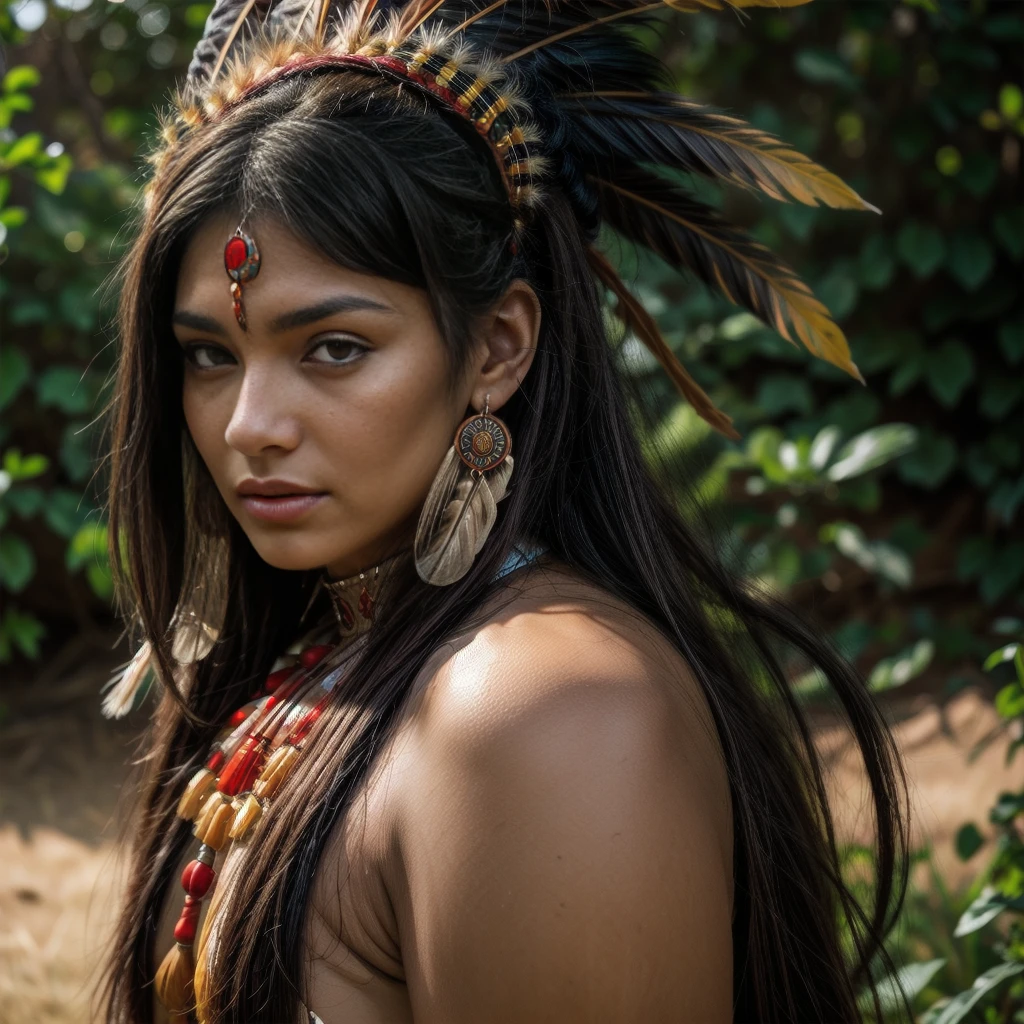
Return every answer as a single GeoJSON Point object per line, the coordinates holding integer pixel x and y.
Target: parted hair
{"type": "Point", "coordinates": [380, 181]}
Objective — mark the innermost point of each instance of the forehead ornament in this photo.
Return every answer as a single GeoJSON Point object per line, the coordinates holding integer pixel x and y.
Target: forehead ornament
{"type": "Point", "coordinates": [242, 262]}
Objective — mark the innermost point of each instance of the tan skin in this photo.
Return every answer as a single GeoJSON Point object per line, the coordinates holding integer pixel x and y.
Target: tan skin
{"type": "Point", "coordinates": [547, 837]}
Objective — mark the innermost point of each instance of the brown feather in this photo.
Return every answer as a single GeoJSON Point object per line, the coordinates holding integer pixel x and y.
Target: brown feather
{"type": "Point", "coordinates": [651, 211]}
{"type": "Point", "coordinates": [633, 10]}
{"type": "Point", "coordinates": [632, 313]}
{"type": "Point", "coordinates": [235, 29]}
{"type": "Point", "coordinates": [715, 144]}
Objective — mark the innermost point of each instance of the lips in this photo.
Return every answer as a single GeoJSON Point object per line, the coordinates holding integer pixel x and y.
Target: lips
{"type": "Point", "coordinates": [278, 501]}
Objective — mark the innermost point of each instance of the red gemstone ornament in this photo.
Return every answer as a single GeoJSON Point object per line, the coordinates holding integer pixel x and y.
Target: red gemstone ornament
{"type": "Point", "coordinates": [366, 604]}
{"type": "Point", "coordinates": [242, 262]}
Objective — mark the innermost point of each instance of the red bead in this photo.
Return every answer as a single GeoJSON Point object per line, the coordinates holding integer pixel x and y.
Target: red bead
{"type": "Point", "coordinates": [216, 760]}
{"type": "Point", "coordinates": [301, 731]}
{"type": "Point", "coordinates": [275, 679]}
{"type": "Point", "coordinates": [246, 763]}
{"type": "Point", "coordinates": [238, 718]}
{"type": "Point", "coordinates": [235, 253]}
{"type": "Point", "coordinates": [314, 655]}
{"type": "Point", "coordinates": [185, 929]}
{"type": "Point", "coordinates": [197, 878]}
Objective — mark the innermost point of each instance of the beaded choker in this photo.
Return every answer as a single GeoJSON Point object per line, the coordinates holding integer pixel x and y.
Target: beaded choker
{"type": "Point", "coordinates": [250, 760]}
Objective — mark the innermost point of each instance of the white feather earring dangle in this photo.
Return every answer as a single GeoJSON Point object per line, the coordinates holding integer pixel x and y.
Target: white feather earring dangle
{"type": "Point", "coordinates": [461, 506]}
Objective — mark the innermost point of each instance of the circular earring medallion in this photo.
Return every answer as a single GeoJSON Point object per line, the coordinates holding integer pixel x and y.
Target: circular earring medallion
{"type": "Point", "coordinates": [483, 442]}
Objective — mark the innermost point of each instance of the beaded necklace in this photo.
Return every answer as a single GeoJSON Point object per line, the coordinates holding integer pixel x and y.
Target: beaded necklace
{"type": "Point", "coordinates": [249, 762]}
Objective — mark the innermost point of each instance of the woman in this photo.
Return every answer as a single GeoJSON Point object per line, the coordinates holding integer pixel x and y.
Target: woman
{"type": "Point", "coordinates": [455, 730]}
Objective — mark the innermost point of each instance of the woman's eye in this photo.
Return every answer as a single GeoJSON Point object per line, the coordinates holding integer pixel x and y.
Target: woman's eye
{"type": "Point", "coordinates": [336, 352]}
{"type": "Point", "coordinates": [207, 357]}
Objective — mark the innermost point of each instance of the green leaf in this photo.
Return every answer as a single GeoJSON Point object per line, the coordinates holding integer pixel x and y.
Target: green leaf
{"type": "Point", "coordinates": [838, 291]}
{"type": "Point", "coordinates": [969, 841]}
{"type": "Point", "coordinates": [876, 265]}
{"type": "Point", "coordinates": [907, 374]}
{"type": "Point", "coordinates": [950, 369]}
{"type": "Point", "coordinates": [799, 220]}
{"type": "Point", "coordinates": [15, 371]}
{"type": "Point", "coordinates": [22, 630]}
{"type": "Point", "coordinates": [1011, 101]}
{"type": "Point", "coordinates": [1010, 700]}
{"type": "Point", "coordinates": [987, 907]}
{"type": "Point", "coordinates": [21, 150]}
{"type": "Point", "coordinates": [901, 668]}
{"type": "Point", "coordinates": [958, 1008]}
{"type": "Point", "coordinates": [1003, 575]}
{"type": "Point", "coordinates": [13, 216]}
{"type": "Point", "coordinates": [76, 454]}
{"type": "Point", "coordinates": [872, 449]}
{"type": "Point", "coordinates": [24, 467]}
{"type": "Point", "coordinates": [970, 260]}
{"type": "Point", "coordinates": [1007, 807]}
{"type": "Point", "coordinates": [65, 512]}
{"type": "Point", "coordinates": [824, 67]}
{"type": "Point", "coordinates": [54, 177]}
{"type": "Point", "coordinates": [1008, 226]}
{"type": "Point", "coordinates": [1004, 501]}
{"type": "Point", "coordinates": [67, 388]}
{"type": "Point", "coordinates": [999, 395]}
{"type": "Point", "coordinates": [25, 501]}
{"type": "Point", "coordinates": [1000, 656]}
{"type": "Point", "coordinates": [783, 392]}
{"type": "Point", "coordinates": [89, 544]}
{"type": "Point", "coordinates": [17, 563]}
{"type": "Point", "coordinates": [1011, 340]}
{"type": "Point", "coordinates": [921, 247]}
{"type": "Point", "coordinates": [822, 447]}
{"type": "Point", "coordinates": [975, 555]}
{"type": "Point", "coordinates": [930, 463]}
{"type": "Point", "coordinates": [979, 173]}
{"type": "Point", "coordinates": [21, 76]}
{"type": "Point", "coordinates": [907, 983]}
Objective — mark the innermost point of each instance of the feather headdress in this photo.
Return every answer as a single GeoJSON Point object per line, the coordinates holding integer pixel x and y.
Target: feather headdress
{"type": "Point", "coordinates": [568, 99]}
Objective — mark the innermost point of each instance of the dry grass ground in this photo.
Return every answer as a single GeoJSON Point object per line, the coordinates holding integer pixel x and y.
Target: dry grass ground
{"type": "Point", "coordinates": [62, 766]}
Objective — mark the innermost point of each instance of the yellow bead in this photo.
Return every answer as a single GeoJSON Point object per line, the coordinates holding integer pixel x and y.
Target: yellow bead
{"type": "Point", "coordinates": [246, 816]}
{"type": "Point", "coordinates": [195, 794]}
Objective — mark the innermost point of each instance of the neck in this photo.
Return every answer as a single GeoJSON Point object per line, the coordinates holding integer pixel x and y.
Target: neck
{"type": "Point", "coordinates": [354, 596]}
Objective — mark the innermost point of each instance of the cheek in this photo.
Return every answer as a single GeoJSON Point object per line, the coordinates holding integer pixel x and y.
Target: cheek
{"type": "Point", "coordinates": [205, 423]}
{"type": "Point", "coordinates": [396, 435]}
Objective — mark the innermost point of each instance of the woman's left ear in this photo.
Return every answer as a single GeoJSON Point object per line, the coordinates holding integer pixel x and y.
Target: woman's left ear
{"type": "Point", "coordinates": [508, 341]}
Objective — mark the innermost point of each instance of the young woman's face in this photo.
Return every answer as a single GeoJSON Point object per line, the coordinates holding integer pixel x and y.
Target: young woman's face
{"type": "Point", "coordinates": [324, 422]}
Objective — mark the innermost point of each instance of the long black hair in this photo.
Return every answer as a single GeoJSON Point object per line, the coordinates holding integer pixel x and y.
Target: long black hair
{"type": "Point", "coordinates": [380, 181]}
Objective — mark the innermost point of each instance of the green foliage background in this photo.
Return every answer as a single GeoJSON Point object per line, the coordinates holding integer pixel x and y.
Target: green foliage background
{"type": "Point", "coordinates": [893, 510]}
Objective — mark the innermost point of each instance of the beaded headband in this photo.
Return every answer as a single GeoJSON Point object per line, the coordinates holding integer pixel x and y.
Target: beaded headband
{"type": "Point", "coordinates": [609, 137]}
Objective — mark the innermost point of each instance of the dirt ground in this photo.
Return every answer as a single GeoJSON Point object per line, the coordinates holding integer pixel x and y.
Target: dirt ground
{"type": "Point", "coordinates": [62, 767]}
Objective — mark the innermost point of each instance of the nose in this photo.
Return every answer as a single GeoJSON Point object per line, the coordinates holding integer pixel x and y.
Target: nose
{"type": "Point", "coordinates": [263, 418]}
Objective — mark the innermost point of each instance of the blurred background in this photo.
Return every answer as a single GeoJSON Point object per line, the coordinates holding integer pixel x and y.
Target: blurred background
{"type": "Point", "coordinates": [890, 512]}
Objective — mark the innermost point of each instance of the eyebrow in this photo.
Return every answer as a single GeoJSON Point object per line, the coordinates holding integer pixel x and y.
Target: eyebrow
{"type": "Point", "coordinates": [295, 318]}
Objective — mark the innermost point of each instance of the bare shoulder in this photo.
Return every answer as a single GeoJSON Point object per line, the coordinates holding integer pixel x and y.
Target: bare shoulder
{"type": "Point", "coordinates": [556, 648]}
{"type": "Point", "coordinates": [564, 822]}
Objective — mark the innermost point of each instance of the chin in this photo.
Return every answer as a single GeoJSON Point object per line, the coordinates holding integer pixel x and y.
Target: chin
{"type": "Point", "coordinates": [294, 554]}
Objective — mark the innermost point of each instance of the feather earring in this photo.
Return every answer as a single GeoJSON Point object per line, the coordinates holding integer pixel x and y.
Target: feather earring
{"type": "Point", "coordinates": [121, 693]}
{"type": "Point", "coordinates": [198, 623]}
{"type": "Point", "coordinates": [461, 506]}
